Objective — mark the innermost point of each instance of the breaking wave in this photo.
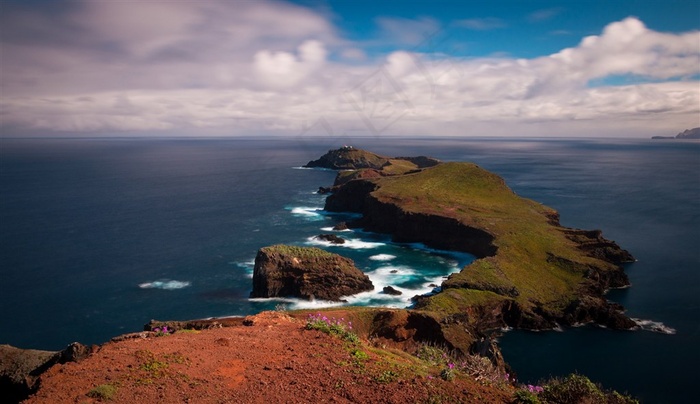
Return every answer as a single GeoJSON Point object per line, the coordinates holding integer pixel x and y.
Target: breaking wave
{"type": "Point", "coordinates": [164, 284]}
{"type": "Point", "coordinates": [332, 229]}
{"type": "Point", "coordinates": [248, 266]}
{"type": "Point", "coordinates": [298, 304]}
{"type": "Point", "coordinates": [308, 212]}
{"type": "Point", "coordinates": [654, 326]}
{"type": "Point", "coordinates": [382, 257]}
{"type": "Point", "coordinates": [353, 243]}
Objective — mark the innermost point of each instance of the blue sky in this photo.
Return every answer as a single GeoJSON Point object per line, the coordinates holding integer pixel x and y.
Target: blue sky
{"type": "Point", "coordinates": [519, 28]}
{"type": "Point", "coordinates": [320, 68]}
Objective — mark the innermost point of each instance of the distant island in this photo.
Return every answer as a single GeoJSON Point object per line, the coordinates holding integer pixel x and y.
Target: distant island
{"type": "Point", "coordinates": [686, 134]}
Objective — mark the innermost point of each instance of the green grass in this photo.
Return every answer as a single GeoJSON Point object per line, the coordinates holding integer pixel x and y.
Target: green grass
{"type": "Point", "coordinates": [103, 392]}
{"type": "Point", "coordinates": [296, 251]}
{"type": "Point", "coordinates": [397, 167]}
{"type": "Point", "coordinates": [573, 388]}
{"type": "Point", "coordinates": [522, 231]}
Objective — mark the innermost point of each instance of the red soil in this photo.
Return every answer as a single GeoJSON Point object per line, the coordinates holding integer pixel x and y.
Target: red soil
{"type": "Point", "coordinates": [275, 360]}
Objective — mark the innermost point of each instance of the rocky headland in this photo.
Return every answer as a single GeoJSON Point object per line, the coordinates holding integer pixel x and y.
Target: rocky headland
{"type": "Point", "coordinates": [686, 134]}
{"type": "Point", "coordinates": [531, 272]}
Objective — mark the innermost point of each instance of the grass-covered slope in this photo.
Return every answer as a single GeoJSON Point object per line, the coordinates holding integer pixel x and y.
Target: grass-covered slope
{"type": "Point", "coordinates": [522, 230]}
{"type": "Point", "coordinates": [531, 272]}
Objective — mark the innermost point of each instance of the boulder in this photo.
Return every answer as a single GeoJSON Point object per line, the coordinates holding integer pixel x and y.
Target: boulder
{"type": "Point", "coordinates": [332, 238]}
{"type": "Point", "coordinates": [306, 272]}
{"type": "Point", "coordinates": [340, 226]}
{"type": "Point", "coordinates": [389, 290]}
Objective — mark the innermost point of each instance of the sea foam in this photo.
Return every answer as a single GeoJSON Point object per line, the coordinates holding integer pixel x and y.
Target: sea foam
{"type": "Point", "coordinates": [164, 284]}
{"type": "Point", "coordinates": [353, 243]}
{"type": "Point", "coordinates": [382, 257]}
{"type": "Point", "coordinates": [309, 212]}
{"type": "Point", "coordinates": [333, 229]}
{"type": "Point", "coordinates": [654, 326]}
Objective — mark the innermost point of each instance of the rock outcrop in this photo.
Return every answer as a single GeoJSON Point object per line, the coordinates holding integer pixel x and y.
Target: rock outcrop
{"type": "Point", "coordinates": [351, 158]}
{"type": "Point", "coordinates": [390, 290]}
{"type": "Point", "coordinates": [331, 238]}
{"type": "Point", "coordinates": [306, 272]}
{"type": "Point", "coordinates": [20, 369]}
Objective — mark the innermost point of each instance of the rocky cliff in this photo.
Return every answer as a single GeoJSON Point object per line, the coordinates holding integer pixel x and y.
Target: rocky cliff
{"type": "Point", "coordinates": [21, 369]}
{"type": "Point", "coordinates": [689, 134]}
{"type": "Point", "coordinates": [307, 273]}
{"type": "Point", "coordinates": [686, 134]}
{"type": "Point", "coordinates": [531, 273]}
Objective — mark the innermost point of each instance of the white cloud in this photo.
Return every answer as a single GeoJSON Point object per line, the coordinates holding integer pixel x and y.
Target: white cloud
{"type": "Point", "coordinates": [628, 47]}
{"type": "Point", "coordinates": [283, 69]}
{"type": "Point", "coordinates": [269, 67]}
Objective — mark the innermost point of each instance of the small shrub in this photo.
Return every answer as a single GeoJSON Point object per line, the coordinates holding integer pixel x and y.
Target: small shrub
{"type": "Point", "coordinates": [478, 367]}
{"type": "Point", "coordinates": [387, 376]}
{"type": "Point", "coordinates": [161, 332]}
{"type": "Point", "coordinates": [103, 392]}
{"type": "Point", "coordinates": [331, 326]}
{"type": "Point", "coordinates": [572, 389]}
{"type": "Point", "coordinates": [617, 398]}
{"type": "Point", "coordinates": [579, 389]}
{"type": "Point", "coordinates": [526, 397]}
{"type": "Point", "coordinates": [359, 355]}
{"type": "Point", "coordinates": [448, 374]}
{"type": "Point", "coordinates": [150, 364]}
{"type": "Point", "coordinates": [432, 354]}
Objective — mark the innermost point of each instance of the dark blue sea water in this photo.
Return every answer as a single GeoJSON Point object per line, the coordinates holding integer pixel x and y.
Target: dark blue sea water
{"type": "Point", "coordinates": [98, 236]}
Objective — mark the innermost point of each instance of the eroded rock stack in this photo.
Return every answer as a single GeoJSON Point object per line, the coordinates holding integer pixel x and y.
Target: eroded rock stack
{"type": "Point", "coordinates": [307, 273]}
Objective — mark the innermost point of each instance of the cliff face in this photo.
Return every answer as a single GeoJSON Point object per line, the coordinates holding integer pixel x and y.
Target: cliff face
{"type": "Point", "coordinates": [689, 134]}
{"type": "Point", "coordinates": [531, 273]}
{"type": "Point", "coordinates": [307, 273]}
{"type": "Point", "coordinates": [384, 217]}
{"type": "Point", "coordinates": [20, 369]}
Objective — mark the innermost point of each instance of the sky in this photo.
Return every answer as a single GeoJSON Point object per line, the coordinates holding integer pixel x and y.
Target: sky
{"type": "Point", "coordinates": [349, 68]}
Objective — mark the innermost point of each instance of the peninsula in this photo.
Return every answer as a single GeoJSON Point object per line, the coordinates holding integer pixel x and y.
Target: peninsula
{"type": "Point", "coordinates": [531, 272]}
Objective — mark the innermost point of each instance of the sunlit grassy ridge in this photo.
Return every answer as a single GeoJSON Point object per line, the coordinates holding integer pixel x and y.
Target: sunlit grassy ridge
{"type": "Point", "coordinates": [524, 234]}
{"type": "Point", "coordinates": [296, 251]}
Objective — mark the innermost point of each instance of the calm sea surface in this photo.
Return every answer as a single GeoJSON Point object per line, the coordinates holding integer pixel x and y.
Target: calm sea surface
{"type": "Point", "coordinates": [98, 236]}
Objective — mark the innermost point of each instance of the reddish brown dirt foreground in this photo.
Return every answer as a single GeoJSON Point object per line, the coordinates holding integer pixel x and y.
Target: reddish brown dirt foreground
{"type": "Point", "coordinates": [276, 360]}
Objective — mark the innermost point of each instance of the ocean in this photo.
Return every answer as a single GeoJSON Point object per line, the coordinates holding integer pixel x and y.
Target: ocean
{"type": "Point", "coordinates": [98, 236]}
